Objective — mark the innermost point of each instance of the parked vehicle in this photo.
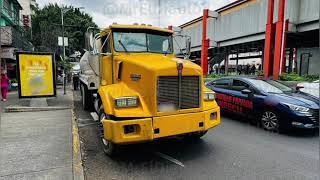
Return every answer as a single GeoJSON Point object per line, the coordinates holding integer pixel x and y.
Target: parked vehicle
{"type": "Point", "coordinates": [129, 75]}
{"type": "Point", "coordinates": [311, 88]}
{"type": "Point", "coordinates": [274, 105]}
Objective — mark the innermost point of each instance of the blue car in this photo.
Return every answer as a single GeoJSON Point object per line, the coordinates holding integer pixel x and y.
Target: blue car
{"type": "Point", "coordinates": [276, 106]}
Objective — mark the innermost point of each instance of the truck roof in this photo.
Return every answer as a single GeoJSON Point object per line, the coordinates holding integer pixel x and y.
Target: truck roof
{"type": "Point", "coordinates": [125, 26]}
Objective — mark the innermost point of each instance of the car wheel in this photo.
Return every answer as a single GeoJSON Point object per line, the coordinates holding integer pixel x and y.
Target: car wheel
{"type": "Point", "coordinates": [270, 120]}
{"type": "Point", "coordinates": [108, 147]}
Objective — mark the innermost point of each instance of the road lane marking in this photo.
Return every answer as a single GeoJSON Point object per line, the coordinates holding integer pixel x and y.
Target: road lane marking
{"type": "Point", "coordinates": [169, 158]}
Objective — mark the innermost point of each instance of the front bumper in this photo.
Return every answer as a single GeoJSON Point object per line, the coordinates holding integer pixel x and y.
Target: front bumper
{"type": "Point", "coordinates": [305, 121]}
{"type": "Point", "coordinates": [148, 129]}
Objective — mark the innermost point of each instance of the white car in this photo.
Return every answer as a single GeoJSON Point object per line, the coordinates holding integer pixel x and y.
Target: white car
{"type": "Point", "coordinates": [309, 87]}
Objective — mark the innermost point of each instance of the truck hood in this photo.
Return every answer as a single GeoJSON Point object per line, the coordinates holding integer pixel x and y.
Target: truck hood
{"type": "Point", "coordinates": [140, 72]}
{"type": "Point", "coordinates": [159, 63]}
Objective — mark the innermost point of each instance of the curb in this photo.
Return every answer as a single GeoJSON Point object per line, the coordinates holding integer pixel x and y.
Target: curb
{"type": "Point", "coordinates": [77, 166]}
{"type": "Point", "coordinates": [11, 109]}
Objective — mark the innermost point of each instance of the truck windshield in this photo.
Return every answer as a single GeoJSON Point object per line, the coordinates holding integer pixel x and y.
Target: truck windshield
{"type": "Point", "coordinates": [142, 42]}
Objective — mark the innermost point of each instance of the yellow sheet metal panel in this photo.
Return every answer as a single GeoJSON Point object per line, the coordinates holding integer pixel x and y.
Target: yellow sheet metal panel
{"type": "Point", "coordinates": [149, 66]}
{"type": "Point", "coordinates": [106, 69]}
{"type": "Point", "coordinates": [114, 131]}
{"type": "Point", "coordinates": [110, 92]}
{"type": "Point", "coordinates": [210, 123]}
{"type": "Point", "coordinates": [178, 124]}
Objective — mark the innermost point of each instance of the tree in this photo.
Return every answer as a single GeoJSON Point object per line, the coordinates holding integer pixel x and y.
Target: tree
{"type": "Point", "coordinates": [46, 27]}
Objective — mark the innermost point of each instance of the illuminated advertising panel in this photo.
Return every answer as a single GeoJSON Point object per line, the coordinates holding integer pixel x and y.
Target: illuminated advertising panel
{"type": "Point", "coordinates": [36, 74]}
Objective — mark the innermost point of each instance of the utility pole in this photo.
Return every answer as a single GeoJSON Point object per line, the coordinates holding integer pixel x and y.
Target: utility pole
{"type": "Point", "coordinates": [63, 11]}
{"type": "Point", "coordinates": [0, 47]}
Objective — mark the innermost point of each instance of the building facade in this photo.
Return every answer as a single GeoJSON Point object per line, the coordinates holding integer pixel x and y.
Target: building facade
{"type": "Point", "coordinates": [13, 35]}
{"type": "Point", "coordinates": [240, 28]}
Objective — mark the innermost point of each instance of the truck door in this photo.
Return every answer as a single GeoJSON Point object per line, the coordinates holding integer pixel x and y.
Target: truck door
{"type": "Point", "coordinates": [106, 59]}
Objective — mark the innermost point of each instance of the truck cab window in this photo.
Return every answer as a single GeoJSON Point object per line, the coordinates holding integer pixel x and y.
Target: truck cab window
{"type": "Point", "coordinates": [154, 42]}
{"type": "Point", "coordinates": [106, 44]}
{"type": "Point", "coordinates": [158, 43]}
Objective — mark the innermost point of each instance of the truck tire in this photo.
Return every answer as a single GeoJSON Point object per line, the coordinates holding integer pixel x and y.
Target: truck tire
{"type": "Point", "coordinates": [85, 98]}
{"type": "Point", "coordinates": [108, 147]}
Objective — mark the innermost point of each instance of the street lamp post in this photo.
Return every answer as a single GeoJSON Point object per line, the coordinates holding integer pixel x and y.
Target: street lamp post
{"type": "Point", "coordinates": [63, 11]}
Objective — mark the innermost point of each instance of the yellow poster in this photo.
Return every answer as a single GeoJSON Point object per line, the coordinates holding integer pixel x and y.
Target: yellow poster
{"type": "Point", "coordinates": [36, 75]}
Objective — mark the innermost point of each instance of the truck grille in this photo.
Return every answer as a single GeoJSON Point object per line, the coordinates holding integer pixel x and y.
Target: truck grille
{"type": "Point", "coordinates": [168, 92]}
{"type": "Point", "coordinates": [315, 116]}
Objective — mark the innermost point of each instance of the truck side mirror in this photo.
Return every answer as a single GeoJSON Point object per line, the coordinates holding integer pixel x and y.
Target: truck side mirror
{"type": "Point", "coordinates": [188, 47]}
{"type": "Point", "coordinates": [299, 87]}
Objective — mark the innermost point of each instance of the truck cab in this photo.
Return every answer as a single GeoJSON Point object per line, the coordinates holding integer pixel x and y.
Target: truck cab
{"type": "Point", "coordinates": [140, 90]}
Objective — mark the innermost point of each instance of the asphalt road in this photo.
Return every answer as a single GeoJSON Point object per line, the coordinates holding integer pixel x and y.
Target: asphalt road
{"type": "Point", "coordinates": [234, 150]}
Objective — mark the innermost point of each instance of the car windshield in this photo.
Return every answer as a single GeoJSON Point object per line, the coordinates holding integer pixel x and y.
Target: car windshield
{"type": "Point", "coordinates": [143, 42]}
{"type": "Point", "coordinates": [280, 86]}
{"type": "Point", "coordinates": [270, 86]}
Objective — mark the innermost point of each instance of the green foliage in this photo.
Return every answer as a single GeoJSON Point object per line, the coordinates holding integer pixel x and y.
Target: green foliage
{"type": "Point", "coordinates": [65, 63]}
{"type": "Point", "coordinates": [296, 77]}
{"type": "Point", "coordinates": [46, 27]}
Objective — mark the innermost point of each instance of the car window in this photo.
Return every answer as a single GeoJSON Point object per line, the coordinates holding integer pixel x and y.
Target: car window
{"type": "Point", "coordinates": [221, 83]}
{"type": "Point", "coordinates": [239, 85]}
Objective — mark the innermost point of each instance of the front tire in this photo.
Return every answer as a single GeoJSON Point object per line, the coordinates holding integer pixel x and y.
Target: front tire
{"type": "Point", "coordinates": [108, 147]}
{"type": "Point", "coordinates": [270, 120]}
{"type": "Point", "coordinates": [85, 98]}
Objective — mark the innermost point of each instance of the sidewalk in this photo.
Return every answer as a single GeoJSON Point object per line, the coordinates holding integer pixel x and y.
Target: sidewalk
{"type": "Point", "coordinates": [39, 144]}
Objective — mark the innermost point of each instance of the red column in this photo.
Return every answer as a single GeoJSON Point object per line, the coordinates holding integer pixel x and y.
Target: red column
{"type": "Point", "coordinates": [283, 65]}
{"type": "Point", "coordinates": [205, 43]}
{"type": "Point", "coordinates": [278, 50]}
{"type": "Point", "coordinates": [267, 62]}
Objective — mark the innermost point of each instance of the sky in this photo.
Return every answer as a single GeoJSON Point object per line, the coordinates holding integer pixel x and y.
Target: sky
{"type": "Point", "coordinates": [171, 12]}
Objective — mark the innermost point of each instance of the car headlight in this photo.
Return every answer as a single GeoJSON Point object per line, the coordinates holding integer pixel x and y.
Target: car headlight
{"type": "Point", "coordinates": [297, 108]}
{"type": "Point", "coordinates": [122, 102]}
{"type": "Point", "coordinates": [209, 96]}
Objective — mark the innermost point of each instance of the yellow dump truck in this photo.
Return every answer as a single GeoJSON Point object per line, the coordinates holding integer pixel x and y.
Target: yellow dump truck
{"type": "Point", "coordinates": [140, 90]}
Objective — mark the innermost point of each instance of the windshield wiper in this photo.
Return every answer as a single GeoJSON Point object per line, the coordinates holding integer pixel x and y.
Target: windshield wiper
{"type": "Point", "coordinates": [120, 42]}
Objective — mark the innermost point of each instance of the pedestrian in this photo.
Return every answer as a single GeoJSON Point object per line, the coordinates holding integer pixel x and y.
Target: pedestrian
{"type": "Point", "coordinates": [247, 69]}
{"type": "Point", "coordinates": [239, 69]}
{"type": "Point", "coordinates": [4, 85]}
{"type": "Point", "coordinates": [253, 69]}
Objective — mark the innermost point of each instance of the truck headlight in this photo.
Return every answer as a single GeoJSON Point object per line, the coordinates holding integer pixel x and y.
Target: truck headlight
{"type": "Point", "coordinates": [131, 101]}
{"type": "Point", "coordinates": [209, 96]}
{"type": "Point", "coordinates": [297, 108]}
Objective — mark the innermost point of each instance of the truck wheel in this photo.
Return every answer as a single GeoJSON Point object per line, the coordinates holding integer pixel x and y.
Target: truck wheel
{"type": "Point", "coordinates": [109, 148]}
{"type": "Point", "coordinates": [85, 98]}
